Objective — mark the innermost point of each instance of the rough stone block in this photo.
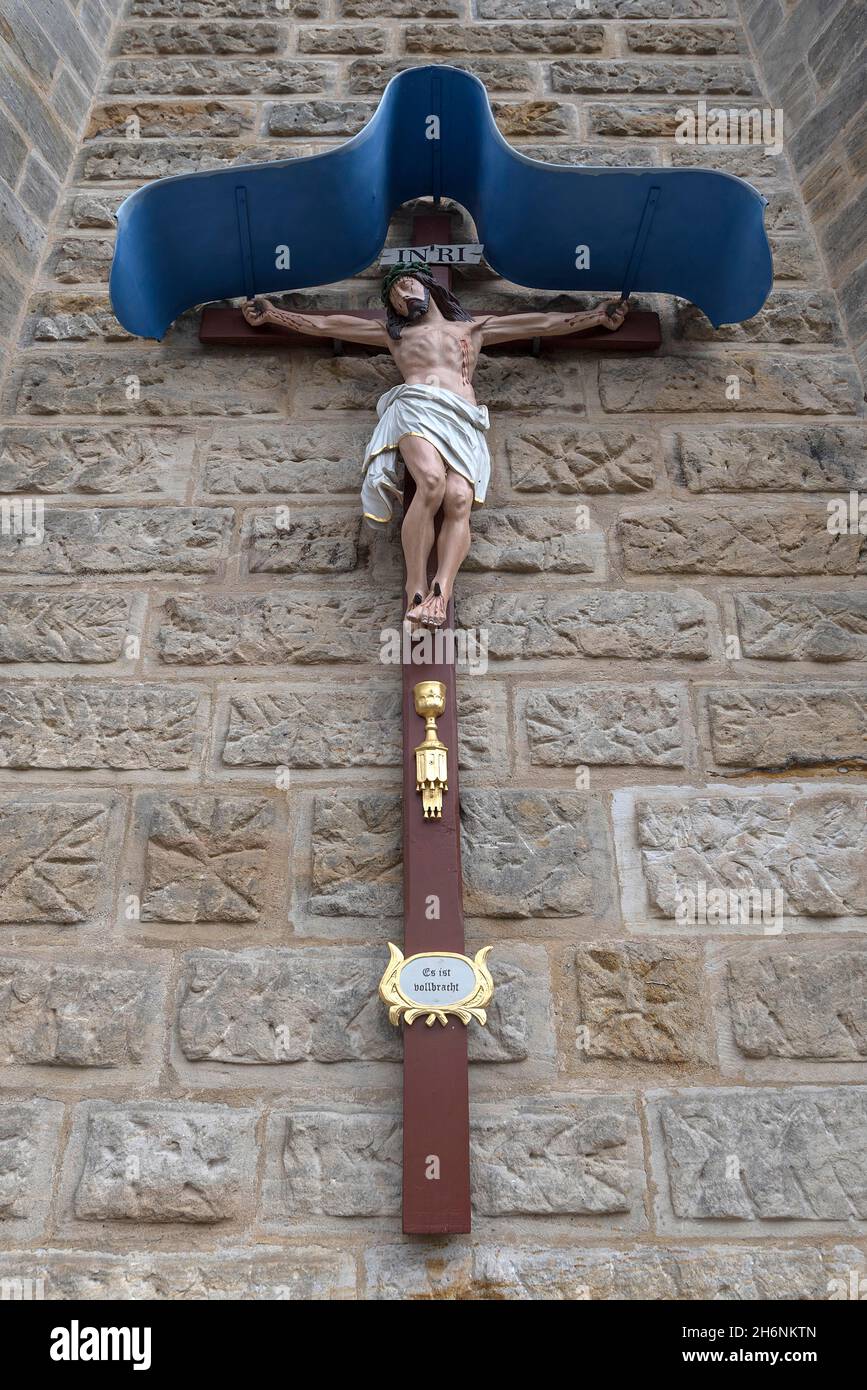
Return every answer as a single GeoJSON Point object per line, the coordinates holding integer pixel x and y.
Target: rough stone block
{"type": "Point", "coordinates": [789, 316]}
{"type": "Point", "coordinates": [160, 385]}
{"type": "Point", "coordinates": [741, 459]}
{"type": "Point", "coordinates": [297, 458]}
{"type": "Point", "coordinates": [54, 856]}
{"type": "Point", "coordinates": [737, 538]}
{"type": "Point", "coordinates": [273, 629]}
{"type": "Point", "coordinates": [791, 726]}
{"type": "Point", "coordinates": [811, 847]}
{"type": "Point", "coordinates": [557, 1157]}
{"type": "Point", "coordinates": [578, 459]}
{"type": "Point", "coordinates": [232, 1275]}
{"type": "Point", "coordinates": [795, 1154]}
{"type": "Point", "coordinates": [273, 1007]}
{"type": "Point", "coordinates": [810, 1005]}
{"type": "Point", "coordinates": [206, 859]}
{"type": "Point", "coordinates": [356, 856]}
{"type": "Point", "coordinates": [658, 77]}
{"type": "Point", "coordinates": [29, 1134]}
{"type": "Point", "coordinates": [531, 540]}
{"type": "Point", "coordinates": [642, 1001]}
{"type": "Point", "coordinates": [530, 854]}
{"type": "Point", "coordinates": [601, 623]}
{"type": "Point", "coordinates": [827, 626]}
{"type": "Point", "coordinates": [91, 461]}
{"type": "Point", "coordinates": [166, 1162]}
{"type": "Point", "coordinates": [70, 1015]}
{"type": "Point", "coordinates": [313, 540]}
{"type": "Point", "coordinates": [201, 77]}
{"type": "Point", "coordinates": [796, 385]}
{"type": "Point", "coordinates": [123, 727]}
{"type": "Point", "coordinates": [71, 628]}
{"type": "Point", "coordinates": [602, 724]}
{"type": "Point", "coordinates": [122, 540]}
{"type": "Point", "coordinates": [644, 1273]}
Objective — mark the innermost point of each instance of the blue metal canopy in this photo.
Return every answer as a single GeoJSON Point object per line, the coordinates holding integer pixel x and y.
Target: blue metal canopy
{"type": "Point", "coordinates": [295, 223]}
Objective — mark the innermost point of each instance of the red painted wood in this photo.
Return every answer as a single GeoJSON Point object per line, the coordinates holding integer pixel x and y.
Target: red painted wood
{"type": "Point", "coordinates": [435, 1079]}
{"type": "Point", "coordinates": [222, 327]}
{"type": "Point", "coordinates": [436, 1121]}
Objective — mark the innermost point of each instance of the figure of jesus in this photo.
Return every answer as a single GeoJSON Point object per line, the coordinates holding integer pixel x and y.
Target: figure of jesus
{"type": "Point", "coordinates": [431, 421]}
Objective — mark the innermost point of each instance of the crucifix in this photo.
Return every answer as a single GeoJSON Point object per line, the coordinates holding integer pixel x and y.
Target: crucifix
{"type": "Point", "coordinates": [433, 425]}
{"type": "Point", "coordinates": [290, 224]}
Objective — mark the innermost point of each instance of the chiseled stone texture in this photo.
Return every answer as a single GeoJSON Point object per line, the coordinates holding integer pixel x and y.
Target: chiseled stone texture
{"type": "Point", "coordinates": [269, 1007]}
{"type": "Point", "coordinates": [122, 727]}
{"type": "Point", "coordinates": [654, 79]}
{"type": "Point", "coordinates": [812, 847]}
{"type": "Point", "coordinates": [829, 625]}
{"type": "Point", "coordinates": [614, 623]}
{"type": "Point", "coordinates": [90, 460]}
{"type": "Point", "coordinates": [794, 1153]}
{"type": "Point", "coordinates": [298, 457]}
{"type": "Point", "coordinates": [578, 459]}
{"type": "Point", "coordinates": [736, 538]}
{"type": "Point", "coordinates": [356, 856]}
{"type": "Point", "coordinates": [606, 724]}
{"type": "Point", "coordinates": [166, 384]}
{"type": "Point", "coordinates": [787, 1004]}
{"type": "Point", "coordinates": [64, 1015]}
{"type": "Point", "coordinates": [368, 76]}
{"type": "Point", "coordinates": [210, 38]}
{"type": "Point", "coordinates": [206, 859]}
{"type": "Point", "coordinates": [537, 39]}
{"type": "Point", "coordinates": [532, 540]}
{"type": "Point", "coordinates": [643, 1001]}
{"type": "Point", "coordinates": [798, 385]}
{"type": "Point", "coordinates": [566, 872]}
{"type": "Point", "coordinates": [789, 316]}
{"type": "Point", "coordinates": [561, 1157]}
{"type": "Point", "coordinates": [788, 726]}
{"type": "Point", "coordinates": [122, 540]}
{"type": "Point", "coordinates": [54, 859]}
{"type": "Point", "coordinates": [152, 1161]}
{"type": "Point", "coordinates": [313, 540]}
{"type": "Point", "coordinates": [29, 1132]}
{"type": "Point", "coordinates": [454, 1272]}
{"type": "Point", "coordinates": [264, 1274]}
{"type": "Point", "coordinates": [195, 76]}
{"type": "Point", "coordinates": [272, 629]}
{"type": "Point", "coordinates": [86, 628]}
{"type": "Point", "coordinates": [739, 458]}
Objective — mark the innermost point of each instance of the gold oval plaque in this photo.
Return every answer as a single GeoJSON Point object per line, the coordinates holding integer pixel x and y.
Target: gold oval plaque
{"type": "Point", "coordinates": [436, 983]}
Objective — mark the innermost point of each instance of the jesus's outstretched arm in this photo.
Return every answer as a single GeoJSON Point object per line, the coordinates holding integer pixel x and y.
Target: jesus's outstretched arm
{"type": "Point", "coordinates": [508, 327]}
{"type": "Point", "coordinates": [259, 312]}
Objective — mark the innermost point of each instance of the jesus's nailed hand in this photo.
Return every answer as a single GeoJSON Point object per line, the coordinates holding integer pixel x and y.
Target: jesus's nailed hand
{"type": "Point", "coordinates": [612, 315]}
{"type": "Point", "coordinates": [256, 311]}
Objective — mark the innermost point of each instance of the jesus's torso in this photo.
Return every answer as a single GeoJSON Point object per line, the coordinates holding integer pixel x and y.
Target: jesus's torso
{"type": "Point", "coordinates": [437, 352]}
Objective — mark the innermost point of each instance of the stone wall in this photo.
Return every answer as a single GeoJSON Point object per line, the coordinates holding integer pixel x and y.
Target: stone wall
{"type": "Point", "coordinates": [50, 63]}
{"type": "Point", "coordinates": [199, 742]}
{"type": "Point", "coordinates": [812, 54]}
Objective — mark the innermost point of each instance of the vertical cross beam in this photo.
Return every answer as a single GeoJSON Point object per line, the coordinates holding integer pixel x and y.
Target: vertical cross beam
{"type": "Point", "coordinates": [436, 1127]}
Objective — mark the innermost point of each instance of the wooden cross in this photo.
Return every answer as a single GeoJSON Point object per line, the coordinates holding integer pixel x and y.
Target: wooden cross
{"type": "Point", "coordinates": [436, 1129]}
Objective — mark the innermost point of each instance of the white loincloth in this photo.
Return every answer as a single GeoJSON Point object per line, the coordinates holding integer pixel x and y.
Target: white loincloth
{"type": "Point", "coordinates": [454, 426]}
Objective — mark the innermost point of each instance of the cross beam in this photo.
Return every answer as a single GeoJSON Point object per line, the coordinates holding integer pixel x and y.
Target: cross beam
{"type": "Point", "coordinates": [226, 327]}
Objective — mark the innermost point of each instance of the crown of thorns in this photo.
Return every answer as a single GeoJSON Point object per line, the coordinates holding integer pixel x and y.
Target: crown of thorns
{"type": "Point", "coordinates": [400, 272]}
